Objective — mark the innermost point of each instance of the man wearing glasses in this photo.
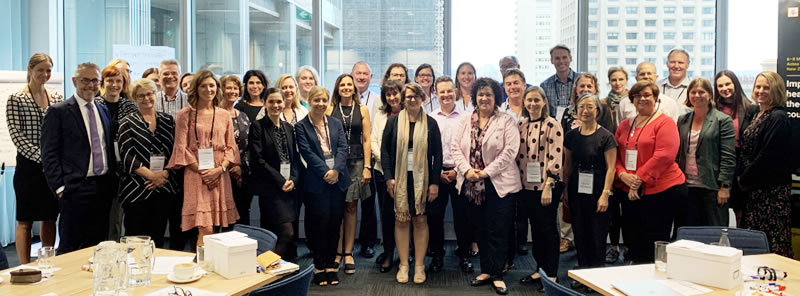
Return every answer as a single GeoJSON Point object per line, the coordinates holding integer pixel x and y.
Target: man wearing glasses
{"type": "Point", "coordinates": [78, 161]}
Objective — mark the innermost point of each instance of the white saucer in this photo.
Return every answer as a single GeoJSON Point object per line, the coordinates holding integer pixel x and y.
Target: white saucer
{"type": "Point", "coordinates": [197, 276]}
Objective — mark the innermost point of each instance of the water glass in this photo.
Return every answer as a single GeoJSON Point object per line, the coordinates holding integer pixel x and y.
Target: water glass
{"type": "Point", "coordinates": [202, 259]}
{"type": "Point", "coordinates": [45, 261]}
{"type": "Point", "coordinates": [140, 258]}
{"type": "Point", "coordinates": [661, 256]}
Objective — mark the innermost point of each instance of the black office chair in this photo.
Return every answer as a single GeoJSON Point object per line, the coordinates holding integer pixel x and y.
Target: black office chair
{"type": "Point", "coordinates": [293, 285]}
{"type": "Point", "coordinates": [552, 288]}
{"type": "Point", "coordinates": [751, 242]}
{"type": "Point", "coordinates": [265, 238]}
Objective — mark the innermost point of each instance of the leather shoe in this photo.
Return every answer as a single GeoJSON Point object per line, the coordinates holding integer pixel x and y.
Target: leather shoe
{"type": "Point", "coordinates": [436, 264]}
{"type": "Point", "coordinates": [528, 280]}
{"type": "Point", "coordinates": [476, 282]}
{"type": "Point", "coordinates": [500, 290]}
{"type": "Point", "coordinates": [367, 252]}
{"type": "Point", "coordinates": [522, 249]}
{"type": "Point", "coordinates": [466, 265]}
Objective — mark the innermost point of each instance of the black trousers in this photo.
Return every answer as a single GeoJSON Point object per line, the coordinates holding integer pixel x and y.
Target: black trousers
{"type": "Point", "coordinates": [436, 211]}
{"type": "Point", "coordinates": [615, 211]}
{"type": "Point", "coordinates": [590, 228]}
{"type": "Point", "coordinates": [368, 229]}
{"type": "Point", "coordinates": [707, 211]}
{"type": "Point", "coordinates": [325, 211]}
{"type": "Point", "coordinates": [544, 228]}
{"type": "Point", "coordinates": [84, 214]}
{"type": "Point", "coordinates": [648, 220]}
{"type": "Point", "coordinates": [463, 223]}
{"type": "Point", "coordinates": [148, 217]}
{"type": "Point", "coordinates": [243, 200]}
{"type": "Point", "coordinates": [177, 237]}
{"type": "Point", "coordinates": [386, 203]}
{"type": "Point", "coordinates": [495, 223]}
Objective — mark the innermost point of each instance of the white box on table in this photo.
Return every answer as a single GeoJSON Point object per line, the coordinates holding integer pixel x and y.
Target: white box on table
{"type": "Point", "coordinates": [704, 264]}
{"type": "Point", "coordinates": [231, 253]}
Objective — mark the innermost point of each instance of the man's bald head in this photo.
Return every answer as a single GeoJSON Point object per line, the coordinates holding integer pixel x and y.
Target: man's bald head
{"type": "Point", "coordinates": [646, 71]}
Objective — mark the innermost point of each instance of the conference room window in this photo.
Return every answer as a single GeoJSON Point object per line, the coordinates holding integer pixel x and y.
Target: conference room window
{"type": "Point", "coordinates": [687, 22]}
{"type": "Point", "coordinates": [631, 23]}
{"type": "Point", "coordinates": [217, 36]}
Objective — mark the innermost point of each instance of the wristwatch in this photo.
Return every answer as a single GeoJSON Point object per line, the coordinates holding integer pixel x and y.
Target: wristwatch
{"type": "Point", "coordinates": [551, 184]}
{"type": "Point", "coordinates": [610, 193]}
{"type": "Point", "coordinates": [725, 185]}
{"type": "Point", "coordinates": [367, 166]}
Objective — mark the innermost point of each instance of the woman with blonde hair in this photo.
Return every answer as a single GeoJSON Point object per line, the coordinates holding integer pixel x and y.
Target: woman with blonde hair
{"type": "Point", "coordinates": [25, 110]}
{"type": "Point", "coordinates": [206, 147]}
{"type": "Point", "coordinates": [293, 111]}
{"type": "Point", "coordinates": [306, 78]}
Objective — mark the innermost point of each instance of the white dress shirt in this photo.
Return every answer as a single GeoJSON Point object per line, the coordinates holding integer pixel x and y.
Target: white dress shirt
{"type": "Point", "coordinates": [678, 92]}
{"type": "Point", "coordinates": [100, 131]}
{"type": "Point", "coordinates": [371, 100]}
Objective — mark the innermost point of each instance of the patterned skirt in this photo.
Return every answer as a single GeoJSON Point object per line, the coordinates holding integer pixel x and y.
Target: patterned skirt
{"type": "Point", "coordinates": [768, 209]}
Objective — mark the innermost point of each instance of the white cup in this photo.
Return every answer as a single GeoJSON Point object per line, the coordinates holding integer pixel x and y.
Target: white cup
{"type": "Point", "coordinates": [184, 271]}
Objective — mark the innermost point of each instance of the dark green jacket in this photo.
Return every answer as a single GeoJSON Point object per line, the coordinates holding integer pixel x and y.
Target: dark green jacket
{"type": "Point", "coordinates": [716, 148]}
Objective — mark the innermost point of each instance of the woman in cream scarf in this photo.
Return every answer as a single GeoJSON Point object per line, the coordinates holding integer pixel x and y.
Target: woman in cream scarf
{"type": "Point", "coordinates": [411, 166]}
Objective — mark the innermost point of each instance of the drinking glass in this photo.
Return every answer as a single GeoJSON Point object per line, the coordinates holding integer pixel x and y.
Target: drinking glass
{"type": "Point", "coordinates": [661, 256]}
{"type": "Point", "coordinates": [202, 259]}
{"type": "Point", "coordinates": [140, 252]}
{"type": "Point", "coordinates": [45, 261]}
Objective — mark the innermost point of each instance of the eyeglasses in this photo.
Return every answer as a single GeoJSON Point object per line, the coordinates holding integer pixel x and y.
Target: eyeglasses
{"type": "Point", "coordinates": [587, 107]}
{"type": "Point", "coordinates": [397, 75]}
{"type": "Point", "coordinates": [178, 291]}
{"type": "Point", "coordinates": [642, 96]}
{"type": "Point", "coordinates": [412, 97]}
{"type": "Point", "coordinates": [424, 75]}
{"type": "Point", "coordinates": [89, 81]}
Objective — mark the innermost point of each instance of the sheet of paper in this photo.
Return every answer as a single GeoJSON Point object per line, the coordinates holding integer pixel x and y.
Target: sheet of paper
{"type": "Point", "coordinates": [194, 291]}
{"type": "Point", "coordinates": [685, 288]}
{"type": "Point", "coordinates": [164, 264]}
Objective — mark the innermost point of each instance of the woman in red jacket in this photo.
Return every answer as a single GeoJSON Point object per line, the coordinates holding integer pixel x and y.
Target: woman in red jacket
{"type": "Point", "coordinates": [649, 181]}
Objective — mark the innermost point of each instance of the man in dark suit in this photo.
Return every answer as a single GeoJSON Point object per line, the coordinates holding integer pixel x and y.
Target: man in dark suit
{"type": "Point", "coordinates": [78, 161]}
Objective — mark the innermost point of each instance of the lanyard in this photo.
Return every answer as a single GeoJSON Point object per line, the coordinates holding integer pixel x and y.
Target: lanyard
{"type": "Point", "coordinates": [633, 130]}
{"type": "Point", "coordinates": [683, 89]}
{"type": "Point", "coordinates": [327, 135]}
{"type": "Point", "coordinates": [213, 119]}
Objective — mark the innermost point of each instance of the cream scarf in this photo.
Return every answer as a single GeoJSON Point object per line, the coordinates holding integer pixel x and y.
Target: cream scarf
{"type": "Point", "coordinates": [419, 171]}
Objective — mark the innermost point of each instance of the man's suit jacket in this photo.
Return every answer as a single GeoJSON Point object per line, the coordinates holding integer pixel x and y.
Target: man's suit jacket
{"type": "Point", "coordinates": [309, 145]}
{"type": "Point", "coordinates": [65, 145]}
{"type": "Point", "coordinates": [265, 176]}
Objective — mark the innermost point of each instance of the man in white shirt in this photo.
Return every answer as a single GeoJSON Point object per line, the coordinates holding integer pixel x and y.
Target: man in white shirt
{"type": "Point", "coordinates": [78, 162]}
{"type": "Point", "coordinates": [362, 73]}
{"type": "Point", "coordinates": [667, 105]}
{"type": "Point", "coordinates": [170, 99]}
{"type": "Point", "coordinates": [676, 85]}
{"type": "Point", "coordinates": [368, 234]}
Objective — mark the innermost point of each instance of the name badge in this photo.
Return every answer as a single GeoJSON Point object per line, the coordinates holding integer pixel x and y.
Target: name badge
{"type": "Point", "coordinates": [410, 160]}
{"type": "Point", "coordinates": [534, 174]}
{"type": "Point", "coordinates": [205, 158]}
{"type": "Point", "coordinates": [157, 163]}
{"type": "Point", "coordinates": [116, 151]}
{"type": "Point", "coordinates": [585, 182]}
{"type": "Point", "coordinates": [329, 160]}
{"type": "Point", "coordinates": [630, 159]}
{"type": "Point", "coordinates": [285, 170]}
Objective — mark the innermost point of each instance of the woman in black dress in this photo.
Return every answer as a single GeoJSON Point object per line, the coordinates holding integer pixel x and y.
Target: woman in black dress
{"type": "Point", "coordinates": [275, 165]}
{"type": "Point", "coordinates": [24, 113]}
{"type": "Point", "coordinates": [765, 173]}
{"type": "Point", "coordinates": [589, 165]}
{"type": "Point", "coordinates": [252, 102]}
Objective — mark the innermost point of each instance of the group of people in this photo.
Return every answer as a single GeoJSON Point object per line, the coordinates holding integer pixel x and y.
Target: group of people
{"type": "Point", "coordinates": [192, 151]}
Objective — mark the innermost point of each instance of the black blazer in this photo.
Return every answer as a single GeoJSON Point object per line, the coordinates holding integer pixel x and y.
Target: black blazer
{"type": "Point", "coordinates": [265, 176]}
{"type": "Point", "coordinates": [309, 145]}
{"type": "Point", "coordinates": [772, 157]}
{"type": "Point", "coordinates": [65, 145]}
{"type": "Point", "coordinates": [389, 148]}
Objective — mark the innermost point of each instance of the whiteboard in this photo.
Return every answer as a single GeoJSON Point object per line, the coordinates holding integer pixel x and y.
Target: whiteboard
{"type": "Point", "coordinates": [11, 82]}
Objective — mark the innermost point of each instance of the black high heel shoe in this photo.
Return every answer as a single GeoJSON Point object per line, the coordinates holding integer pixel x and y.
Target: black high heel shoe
{"type": "Point", "coordinates": [349, 269]}
{"type": "Point", "coordinates": [321, 278]}
{"type": "Point", "coordinates": [384, 268]}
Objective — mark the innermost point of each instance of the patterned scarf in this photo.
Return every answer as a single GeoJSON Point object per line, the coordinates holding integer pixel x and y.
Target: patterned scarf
{"type": "Point", "coordinates": [613, 99]}
{"type": "Point", "coordinates": [476, 190]}
{"type": "Point", "coordinates": [419, 170]}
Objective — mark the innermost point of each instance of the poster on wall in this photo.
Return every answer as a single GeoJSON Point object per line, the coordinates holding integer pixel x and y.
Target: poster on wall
{"type": "Point", "coordinates": [789, 63]}
{"type": "Point", "coordinates": [142, 58]}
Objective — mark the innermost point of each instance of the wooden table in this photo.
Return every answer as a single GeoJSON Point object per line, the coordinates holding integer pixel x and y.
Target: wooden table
{"type": "Point", "coordinates": [71, 280]}
{"type": "Point", "coordinates": [600, 279]}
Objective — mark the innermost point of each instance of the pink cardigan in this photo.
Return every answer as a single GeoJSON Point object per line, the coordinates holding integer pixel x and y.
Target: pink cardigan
{"type": "Point", "coordinates": [500, 149]}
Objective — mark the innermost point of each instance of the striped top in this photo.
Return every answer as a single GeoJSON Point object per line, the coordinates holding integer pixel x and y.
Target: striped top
{"type": "Point", "coordinates": [24, 118]}
{"type": "Point", "coordinates": [136, 144]}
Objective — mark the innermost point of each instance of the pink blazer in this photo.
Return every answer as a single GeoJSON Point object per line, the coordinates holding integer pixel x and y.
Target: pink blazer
{"type": "Point", "coordinates": [500, 149]}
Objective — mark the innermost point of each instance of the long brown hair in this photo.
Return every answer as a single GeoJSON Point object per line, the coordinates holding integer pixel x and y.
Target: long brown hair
{"type": "Point", "coordinates": [198, 79]}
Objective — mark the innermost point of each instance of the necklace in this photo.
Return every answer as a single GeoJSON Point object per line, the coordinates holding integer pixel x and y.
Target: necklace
{"type": "Point", "coordinates": [348, 124]}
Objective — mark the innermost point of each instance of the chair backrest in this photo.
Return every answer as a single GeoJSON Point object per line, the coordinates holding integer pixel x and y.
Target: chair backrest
{"type": "Point", "coordinates": [751, 242]}
{"type": "Point", "coordinates": [552, 288]}
{"type": "Point", "coordinates": [293, 285]}
{"type": "Point", "coordinates": [3, 259]}
{"type": "Point", "coordinates": [266, 239]}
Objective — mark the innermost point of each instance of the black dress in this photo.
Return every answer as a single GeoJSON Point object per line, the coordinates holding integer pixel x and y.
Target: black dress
{"type": "Point", "coordinates": [251, 111]}
{"type": "Point", "coordinates": [269, 146]}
